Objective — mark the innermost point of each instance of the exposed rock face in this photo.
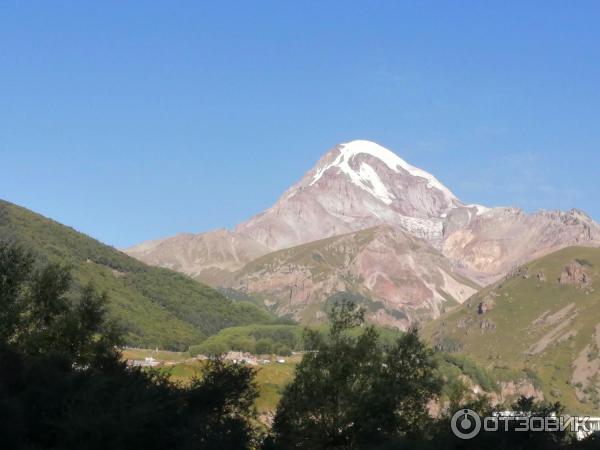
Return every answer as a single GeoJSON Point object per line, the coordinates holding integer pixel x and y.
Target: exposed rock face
{"type": "Point", "coordinates": [400, 277]}
{"type": "Point", "coordinates": [511, 391]}
{"type": "Point", "coordinates": [491, 244]}
{"type": "Point", "coordinates": [208, 257]}
{"type": "Point", "coordinates": [508, 392]}
{"type": "Point", "coordinates": [541, 276]}
{"type": "Point", "coordinates": [574, 274]}
{"type": "Point", "coordinates": [586, 371]}
{"type": "Point", "coordinates": [486, 305]}
{"type": "Point", "coordinates": [487, 326]}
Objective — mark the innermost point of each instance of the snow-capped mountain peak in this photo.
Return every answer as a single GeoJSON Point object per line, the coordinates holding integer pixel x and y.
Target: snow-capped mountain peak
{"type": "Point", "coordinates": [367, 178]}
{"type": "Point", "coordinates": [356, 185]}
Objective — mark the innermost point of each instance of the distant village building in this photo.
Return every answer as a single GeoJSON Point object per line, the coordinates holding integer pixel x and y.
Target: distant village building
{"type": "Point", "coordinates": [146, 362]}
{"type": "Point", "coordinates": [241, 358]}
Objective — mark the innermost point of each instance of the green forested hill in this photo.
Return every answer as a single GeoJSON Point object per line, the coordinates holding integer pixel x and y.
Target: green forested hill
{"type": "Point", "coordinates": [156, 307]}
{"type": "Point", "coordinates": [264, 339]}
{"type": "Point", "coordinates": [544, 320]}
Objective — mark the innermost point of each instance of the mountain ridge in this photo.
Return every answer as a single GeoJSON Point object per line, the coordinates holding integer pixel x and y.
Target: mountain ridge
{"type": "Point", "coordinates": [208, 257]}
{"type": "Point", "coordinates": [361, 185]}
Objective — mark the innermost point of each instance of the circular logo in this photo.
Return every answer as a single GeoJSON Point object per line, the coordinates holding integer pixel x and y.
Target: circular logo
{"type": "Point", "coordinates": [466, 424]}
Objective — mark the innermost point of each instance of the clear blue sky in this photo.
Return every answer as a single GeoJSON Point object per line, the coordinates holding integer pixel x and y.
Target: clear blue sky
{"type": "Point", "coordinates": [137, 120]}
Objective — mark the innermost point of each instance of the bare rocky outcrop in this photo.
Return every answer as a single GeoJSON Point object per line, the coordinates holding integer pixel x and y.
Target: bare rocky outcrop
{"type": "Point", "coordinates": [541, 276]}
{"type": "Point", "coordinates": [486, 305]}
{"type": "Point", "coordinates": [586, 371]}
{"type": "Point", "coordinates": [575, 274]}
{"type": "Point", "coordinates": [556, 327]}
{"type": "Point", "coordinates": [492, 244]}
{"type": "Point", "coordinates": [511, 390]}
{"type": "Point", "coordinates": [547, 319]}
{"type": "Point", "coordinates": [507, 391]}
{"type": "Point", "coordinates": [487, 326]}
{"type": "Point", "coordinates": [400, 278]}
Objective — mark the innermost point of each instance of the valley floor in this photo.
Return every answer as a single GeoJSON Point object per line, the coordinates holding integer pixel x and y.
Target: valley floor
{"type": "Point", "coordinates": [271, 377]}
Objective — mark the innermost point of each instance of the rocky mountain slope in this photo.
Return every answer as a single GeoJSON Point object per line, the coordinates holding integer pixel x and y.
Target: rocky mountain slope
{"type": "Point", "coordinates": [399, 278]}
{"type": "Point", "coordinates": [208, 257]}
{"type": "Point", "coordinates": [357, 186]}
{"type": "Point", "coordinates": [489, 245]}
{"type": "Point", "coordinates": [543, 318]}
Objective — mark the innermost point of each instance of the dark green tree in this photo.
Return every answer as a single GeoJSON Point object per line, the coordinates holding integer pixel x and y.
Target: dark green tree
{"type": "Point", "coordinates": [220, 408]}
{"type": "Point", "coordinates": [15, 270]}
{"type": "Point", "coordinates": [351, 393]}
{"type": "Point", "coordinates": [264, 346]}
{"type": "Point", "coordinates": [63, 384]}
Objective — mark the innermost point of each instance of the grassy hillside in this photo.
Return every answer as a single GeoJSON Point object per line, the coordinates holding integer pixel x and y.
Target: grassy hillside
{"type": "Point", "coordinates": [533, 323]}
{"type": "Point", "coordinates": [157, 307]}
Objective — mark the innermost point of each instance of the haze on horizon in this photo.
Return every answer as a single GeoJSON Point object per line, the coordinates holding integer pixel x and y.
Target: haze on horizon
{"type": "Point", "coordinates": [133, 123]}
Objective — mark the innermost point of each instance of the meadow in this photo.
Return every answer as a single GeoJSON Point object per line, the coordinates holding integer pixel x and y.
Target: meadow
{"type": "Point", "coordinates": [270, 378]}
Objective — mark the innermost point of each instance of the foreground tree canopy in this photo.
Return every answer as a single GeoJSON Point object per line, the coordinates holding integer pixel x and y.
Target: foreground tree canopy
{"type": "Point", "coordinates": [350, 393]}
{"type": "Point", "coordinates": [63, 385]}
{"type": "Point", "coordinates": [354, 392]}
